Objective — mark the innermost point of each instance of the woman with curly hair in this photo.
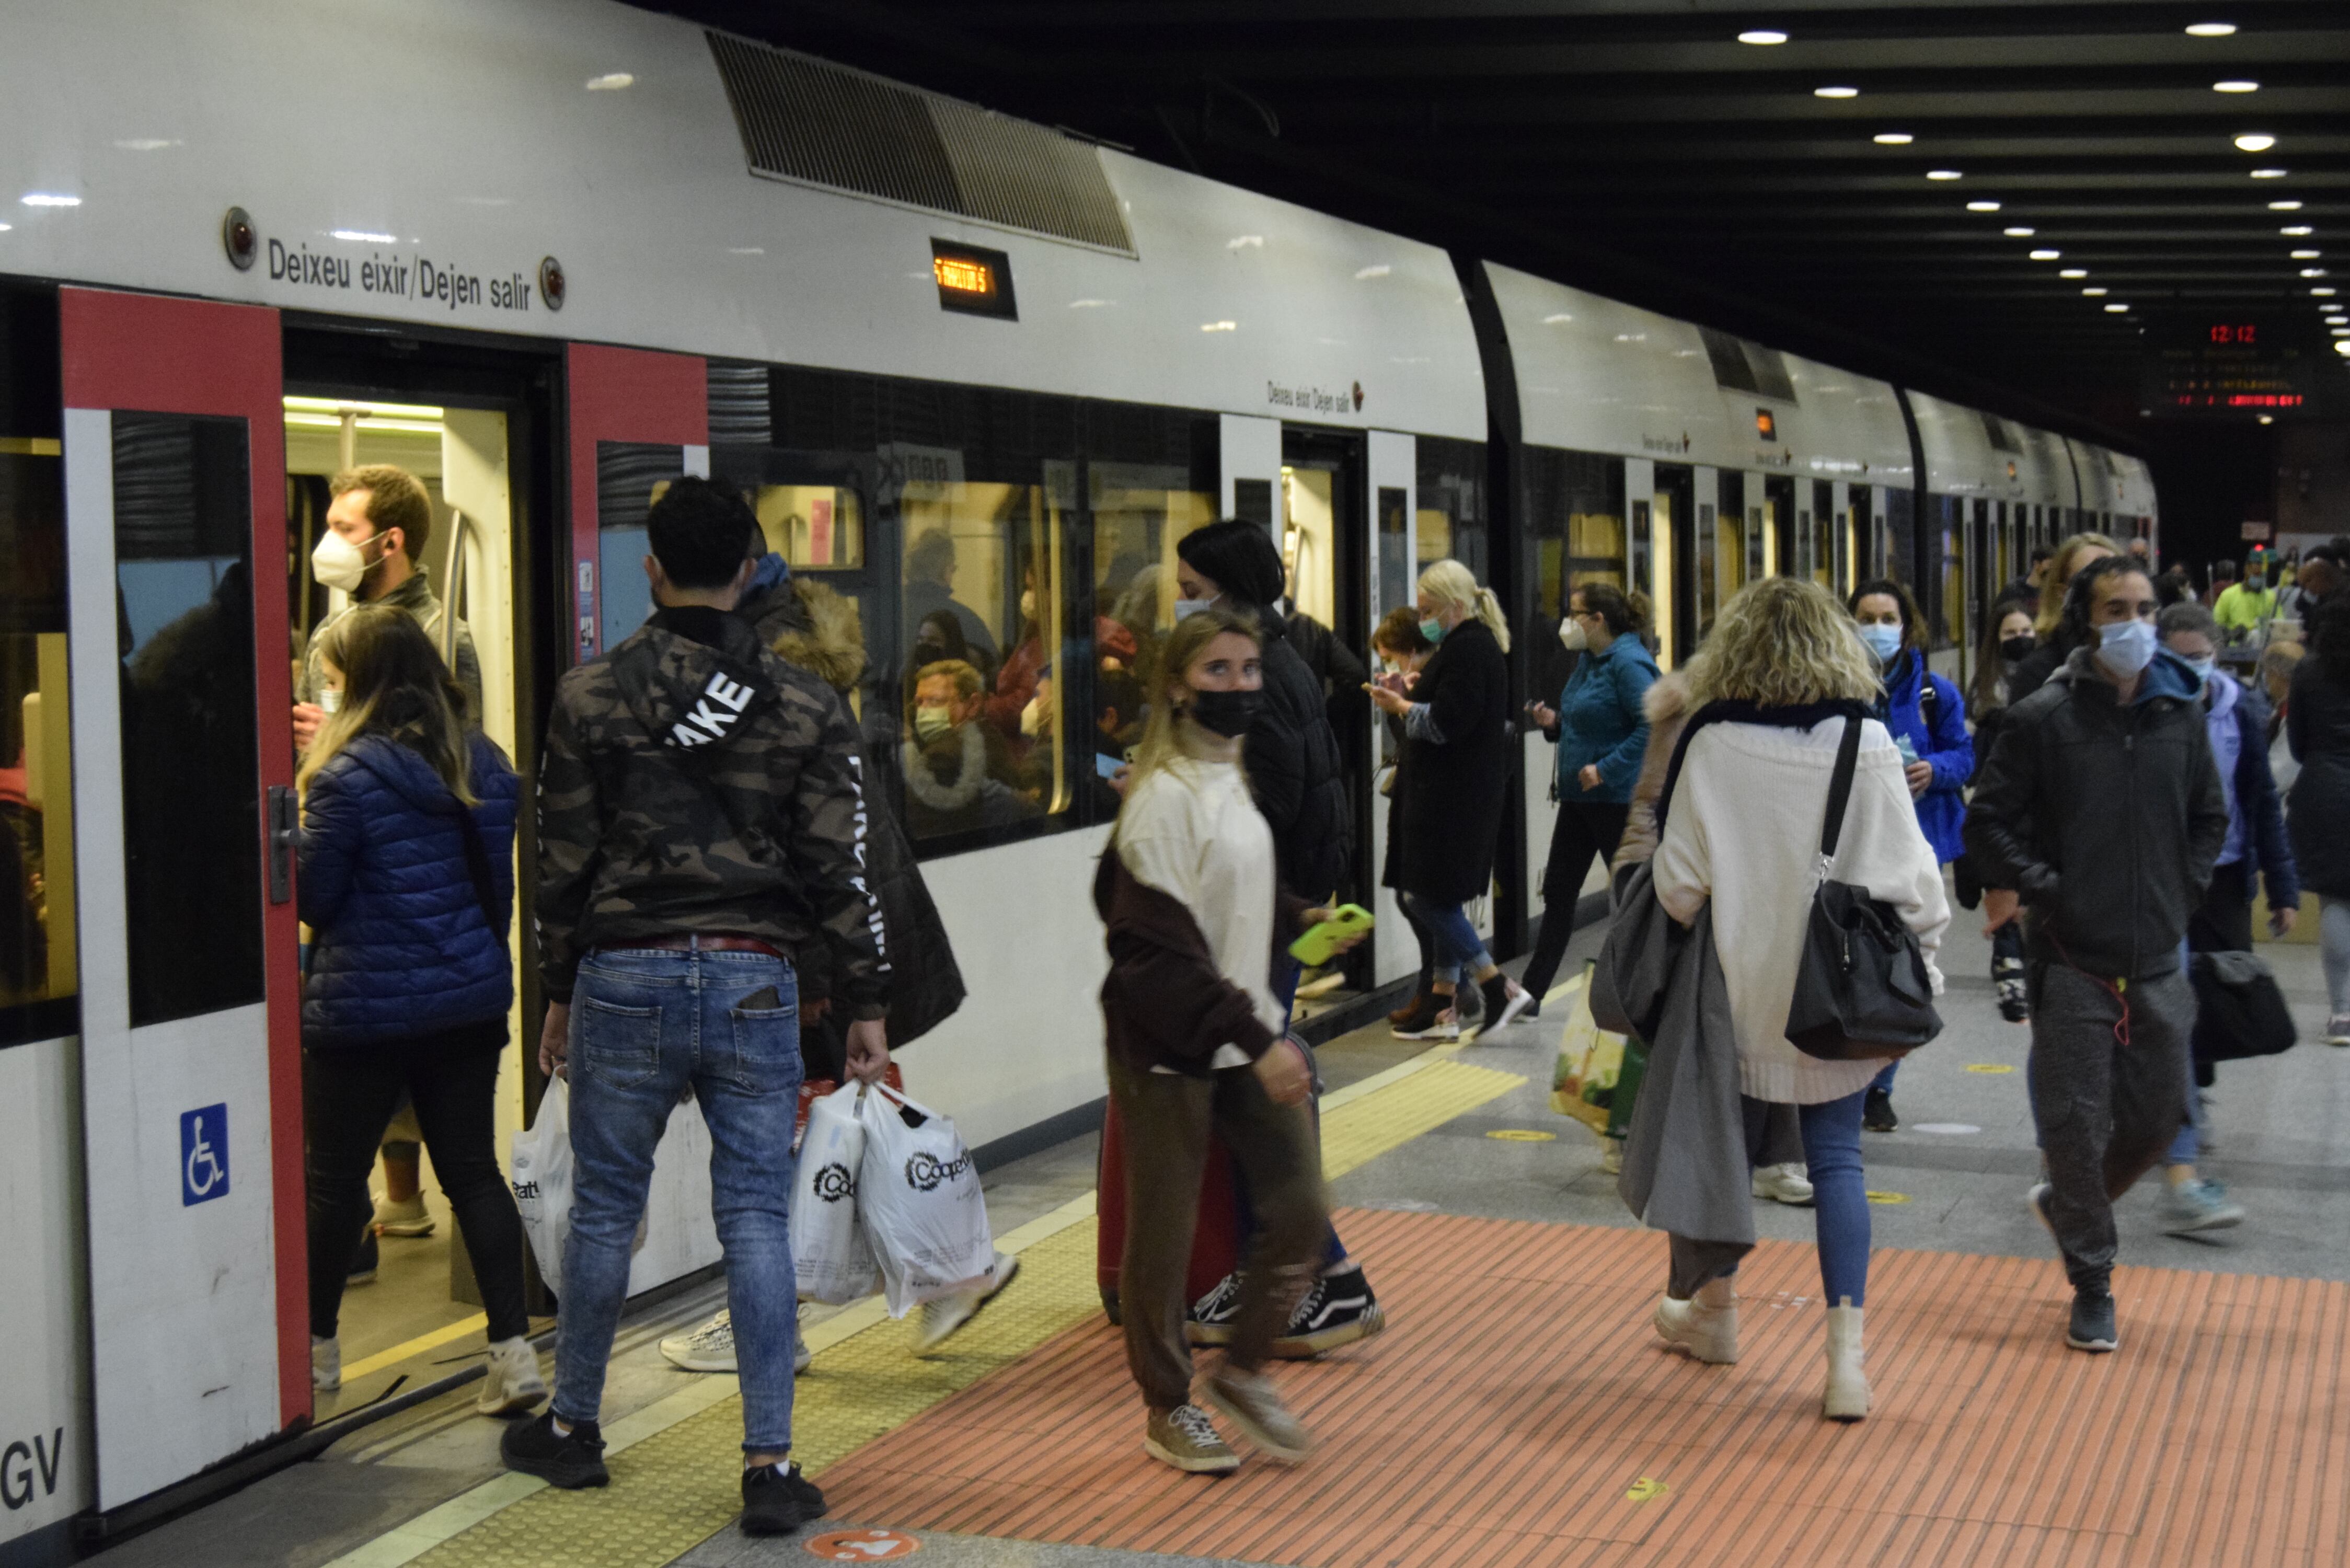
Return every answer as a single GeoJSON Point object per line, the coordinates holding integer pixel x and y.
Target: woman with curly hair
{"type": "Point", "coordinates": [1780, 679]}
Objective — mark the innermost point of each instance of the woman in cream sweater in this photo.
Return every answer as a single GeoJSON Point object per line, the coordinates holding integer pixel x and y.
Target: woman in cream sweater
{"type": "Point", "coordinates": [1742, 831]}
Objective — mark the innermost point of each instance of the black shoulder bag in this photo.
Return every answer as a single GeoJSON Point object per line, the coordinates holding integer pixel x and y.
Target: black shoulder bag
{"type": "Point", "coordinates": [1861, 987]}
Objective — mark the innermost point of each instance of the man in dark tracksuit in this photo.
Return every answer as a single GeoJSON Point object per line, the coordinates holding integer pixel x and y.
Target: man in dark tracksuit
{"type": "Point", "coordinates": [2101, 806]}
{"type": "Point", "coordinates": [700, 818]}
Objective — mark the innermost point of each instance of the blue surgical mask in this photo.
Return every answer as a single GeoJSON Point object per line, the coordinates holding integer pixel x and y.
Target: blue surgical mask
{"type": "Point", "coordinates": [2203, 668]}
{"type": "Point", "coordinates": [1432, 629]}
{"type": "Point", "coordinates": [1884, 641]}
{"type": "Point", "coordinates": [2125, 647]}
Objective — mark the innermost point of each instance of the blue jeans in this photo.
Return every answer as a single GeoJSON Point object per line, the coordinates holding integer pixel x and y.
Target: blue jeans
{"type": "Point", "coordinates": [1832, 1155]}
{"type": "Point", "coordinates": [1457, 941]}
{"type": "Point", "coordinates": [645, 1025]}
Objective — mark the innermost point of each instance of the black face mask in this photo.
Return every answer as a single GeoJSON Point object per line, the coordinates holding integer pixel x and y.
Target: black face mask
{"type": "Point", "coordinates": [1227, 713]}
{"type": "Point", "coordinates": [2012, 648]}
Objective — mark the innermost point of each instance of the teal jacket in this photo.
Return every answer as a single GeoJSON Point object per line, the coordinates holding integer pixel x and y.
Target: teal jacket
{"type": "Point", "coordinates": [1600, 721]}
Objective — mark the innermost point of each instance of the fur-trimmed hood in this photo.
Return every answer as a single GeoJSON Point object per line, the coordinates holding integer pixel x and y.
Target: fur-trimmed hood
{"type": "Point", "coordinates": [809, 625]}
{"type": "Point", "coordinates": [1666, 699]}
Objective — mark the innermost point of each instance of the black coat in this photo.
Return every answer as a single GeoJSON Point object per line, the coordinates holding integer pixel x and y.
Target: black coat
{"type": "Point", "coordinates": [2033, 670]}
{"type": "Point", "coordinates": [1295, 773]}
{"type": "Point", "coordinates": [2317, 728]}
{"type": "Point", "coordinates": [1448, 810]}
{"type": "Point", "coordinates": [2106, 818]}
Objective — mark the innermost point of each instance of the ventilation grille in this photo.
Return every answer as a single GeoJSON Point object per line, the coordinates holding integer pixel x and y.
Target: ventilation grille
{"type": "Point", "coordinates": [739, 406]}
{"type": "Point", "coordinates": [818, 124]}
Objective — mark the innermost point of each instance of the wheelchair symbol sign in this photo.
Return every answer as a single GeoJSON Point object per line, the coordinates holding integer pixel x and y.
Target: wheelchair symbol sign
{"type": "Point", "coordinates": [203, 1154]}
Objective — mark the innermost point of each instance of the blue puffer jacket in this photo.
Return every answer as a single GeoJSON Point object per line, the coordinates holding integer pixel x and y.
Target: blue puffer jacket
{"type": "Point", "coordinates": [1601, 723]}
{"type": "Point", "coordinates": [400, 946]}
{"type": "Point", "coordinates": [1942, 809]}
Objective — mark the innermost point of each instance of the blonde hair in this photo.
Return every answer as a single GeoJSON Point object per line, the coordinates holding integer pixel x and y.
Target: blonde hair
{"type": "Point", "coordinates": [1451, 583]}
{"type": "Point", "coordinates": [1161, 740]}
{"type": "Point", "coordinates": [1782, 642]}
{"type": "Point", "coordinates": [2062, 567]}
{"type": "Point", "coordinates": [394, 685]}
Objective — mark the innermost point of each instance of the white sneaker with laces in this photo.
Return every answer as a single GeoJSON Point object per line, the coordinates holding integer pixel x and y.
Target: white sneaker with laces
{"type": "Point", "coordinates": [710, 1349]}
{"type": "Point", "coordinates": [512, 1385]}
{"type": "Point", "coordinates": [326, 1363]}
{"type": "Point", "coordinates": [1783, 1184]}
{"type": "Point", "coordinates": [407, 1218]}
{"type": "Point", "coordinates": [943, 1317]}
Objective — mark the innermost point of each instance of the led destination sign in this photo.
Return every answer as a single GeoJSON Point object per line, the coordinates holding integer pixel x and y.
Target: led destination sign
{"type": "Point", "coordinates": [2225, 365]}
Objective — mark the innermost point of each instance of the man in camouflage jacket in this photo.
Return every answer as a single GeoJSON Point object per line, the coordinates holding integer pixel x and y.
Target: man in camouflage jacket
{"type": "Point", "coordinates": [701, 819]}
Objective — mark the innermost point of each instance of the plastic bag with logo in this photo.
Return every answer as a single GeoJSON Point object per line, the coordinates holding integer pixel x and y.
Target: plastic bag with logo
{"type": "Point", "coordinates": [829, 1254]}
{"type": "Point", "coordinates": [917, 1194]}
{"type": "Point", "coordinates": [542, 1182]}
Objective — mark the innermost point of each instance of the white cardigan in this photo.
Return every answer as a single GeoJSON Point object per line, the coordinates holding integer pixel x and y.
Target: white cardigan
{"type": "Point", "coordinates": [1744, 829]}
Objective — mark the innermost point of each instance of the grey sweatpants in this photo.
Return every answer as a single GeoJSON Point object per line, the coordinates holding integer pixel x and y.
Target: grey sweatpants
{"type": "Point", "coordinates": [2106, 1107]}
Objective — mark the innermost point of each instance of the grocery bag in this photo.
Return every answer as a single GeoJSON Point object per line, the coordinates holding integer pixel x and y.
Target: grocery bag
{"type": "Point", "coordinates": [542, 1181]}
{"type": "Point", "coordinates": [829, 1253]}
{"type": "Point", "coordinates": [1583, 1078]}
{"type": "Point", "coordinates": [917, 1196]}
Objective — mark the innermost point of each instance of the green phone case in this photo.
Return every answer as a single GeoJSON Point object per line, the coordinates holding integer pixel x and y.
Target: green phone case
{"type": "Point", "coordinates": [1317, 944]}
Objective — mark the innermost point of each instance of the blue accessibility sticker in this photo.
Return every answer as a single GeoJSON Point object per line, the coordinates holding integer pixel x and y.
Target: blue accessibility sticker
{"type": "Point", "coordinates": [203, 1154]}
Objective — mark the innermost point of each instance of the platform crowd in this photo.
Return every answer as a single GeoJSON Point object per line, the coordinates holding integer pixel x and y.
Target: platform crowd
{"type": "Point", "coordinates": [2132, 777]}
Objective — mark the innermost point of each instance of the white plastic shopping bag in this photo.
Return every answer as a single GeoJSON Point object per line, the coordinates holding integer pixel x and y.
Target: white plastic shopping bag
{"type": "Point", "coordinates": [917, 1194]}
{"type": "Point", "coordinates": [829, 1253]}
{"type": "Point", "coordinates": [542, 1181]}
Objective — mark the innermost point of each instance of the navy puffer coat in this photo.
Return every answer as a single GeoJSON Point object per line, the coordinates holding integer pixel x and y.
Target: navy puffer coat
{"type": "Point", "coordinates": [399, 944]}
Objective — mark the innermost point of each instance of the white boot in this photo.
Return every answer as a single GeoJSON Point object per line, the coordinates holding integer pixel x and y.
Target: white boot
{"type": "Point", "coordinates": [1707, 1326]}
{"type": "Point", "coordinates": [512, 1385]}
{"type": "Point", "coordinates": [1847, 1395]}
{"type": "Point", "coordinates": [326, 1363]}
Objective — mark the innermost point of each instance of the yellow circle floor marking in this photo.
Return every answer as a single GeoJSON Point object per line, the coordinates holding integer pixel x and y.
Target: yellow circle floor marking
{"type": "Point", "coordinates": [1521, 1135]}
{"type": "Point", "coordinates": [1889, 1197]}
{"type": "Point", "coordinates": [1644, 1489]}
{"type": "Point", "coordinates": [1988, 1067]}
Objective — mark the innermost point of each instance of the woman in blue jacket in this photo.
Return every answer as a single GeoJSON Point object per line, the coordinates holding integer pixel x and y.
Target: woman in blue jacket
{"type": "Point", "coordinates": [406, 883]}
{"type": "Point", "coordinates": [1601, 732]}
{"type": "Point", "coordinates": [1928, 722]}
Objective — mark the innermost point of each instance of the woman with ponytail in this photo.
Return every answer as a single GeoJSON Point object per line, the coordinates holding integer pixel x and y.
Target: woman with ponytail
{"type": "Point", "coordinates": [1449, 790]}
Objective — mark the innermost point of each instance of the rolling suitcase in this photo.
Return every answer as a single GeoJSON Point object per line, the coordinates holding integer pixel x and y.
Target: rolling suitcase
{"type": "Point", "coordinates": [1215, 1246]}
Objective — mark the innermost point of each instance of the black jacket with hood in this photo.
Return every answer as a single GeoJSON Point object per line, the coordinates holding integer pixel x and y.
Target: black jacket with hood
{"type": "Point", "coordinates": [693, 782]}
{"type": "Point", "coordinates": [2106, 819]}
{"type": "Point", "coordinates": [1294, 771]}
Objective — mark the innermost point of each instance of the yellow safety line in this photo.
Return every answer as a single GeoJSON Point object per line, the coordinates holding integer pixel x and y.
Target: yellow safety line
{"type": "Point", "coordinates": [677, 1484]}
{"type": "Point", "coordinates": [477, 1323]}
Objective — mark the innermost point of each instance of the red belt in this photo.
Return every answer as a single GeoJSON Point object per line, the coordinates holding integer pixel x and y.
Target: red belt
{"type": "Point", "coordinates": [707, 942]}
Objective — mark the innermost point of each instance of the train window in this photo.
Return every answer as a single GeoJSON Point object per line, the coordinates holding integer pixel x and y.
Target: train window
{"type": "Point", "coordinates": [1950, 605]}
{"type": "Point", "coordinates": [1451, 482]}
{"type": "Point", "coordinates": [815, 527]}
{"type": "Point", "coordinates": [1141, 512]}
{"type": "Point", "coordinates": [630, 477]}
{"type": "Point", "coordinates": [190, 797]}
{"type": "Point", "coordinates": [37, 969]}
{"type": "Point", "coordinates": [1395, 585]}
{"type": "Point", "coordinates": [1729, 537]}
{"type": "Point", "coordinates": [1574, 534]}
{"type": "Point", "coordinates": [1826, 563]}
{"type": "Point", "coordinates": [1708, 590]}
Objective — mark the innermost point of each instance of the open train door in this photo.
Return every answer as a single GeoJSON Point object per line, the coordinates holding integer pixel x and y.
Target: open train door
{"type": "Point", "coordinates": [183, 786]}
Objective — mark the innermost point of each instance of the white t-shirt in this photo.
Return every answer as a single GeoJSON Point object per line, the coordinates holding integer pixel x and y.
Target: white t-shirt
{"type": "Point", "coordinates": [1191, 831]}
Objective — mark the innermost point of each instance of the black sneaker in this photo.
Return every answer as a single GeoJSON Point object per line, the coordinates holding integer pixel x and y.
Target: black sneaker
{"type": "Point", "coordinates": [778, 1500]}
{"type": "Point", "coordinates": [365, 1258]}
{"type": "Point", "coordinates": [536, 1448]}
{"type": "Point", "coordinates": [2007, 980]}
{"type": "Point", "coordinates": [1877, 1112]}
{"type": "Point", "coordinates": [2091, 1328]}
{"type": "Point", "coordinates": [1213, 1315]}
{"type": "Point", "coordinates": [1340, 1310]}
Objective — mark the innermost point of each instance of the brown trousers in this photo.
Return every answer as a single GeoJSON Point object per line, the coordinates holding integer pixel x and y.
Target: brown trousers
{"type": "Point", "coordinates": [1167, 1119]}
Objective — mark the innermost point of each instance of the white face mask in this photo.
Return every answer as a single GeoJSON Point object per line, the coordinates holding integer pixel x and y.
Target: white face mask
{"type": "Point", "coordinates": [330, 700]}
{"type": "Point", "coordinates": [1186, 608]}
{"type": "Point", "coordinates": [337, 562]}
{"type": "Point", "coordinates": [1572, 636]}
{"type": "Point", "coordinates": [1028, 603]}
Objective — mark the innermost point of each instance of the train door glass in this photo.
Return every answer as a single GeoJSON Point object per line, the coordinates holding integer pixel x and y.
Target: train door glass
{"type": "Point", "coordinates": [1325, 548]}
{"type": "Point", "coordinates": [1674, 527]}
{"type": "Point", "coordinates": [465, 559]}
{"type": "Point", "coordinates": [1949, 542]}
{"type": "Point", "coordinates": [1449, 490]}
{"type": "Point", "coordinates": [1827, 567]}
{"type": "Point", "coordinates": [1787, 527]}
{"type": "Point", "coordinates": [1730, 539]}
{"type": "Point", "coordinates": [1573, 532]}
{"type": "Point", "coordinates": [1394, 512]}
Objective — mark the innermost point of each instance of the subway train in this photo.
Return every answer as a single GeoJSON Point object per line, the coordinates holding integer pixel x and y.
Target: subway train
{"type": "Point", "coordinates": [975, 376]}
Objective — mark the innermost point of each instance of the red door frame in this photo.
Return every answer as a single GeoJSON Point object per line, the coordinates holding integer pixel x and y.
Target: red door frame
{"type": "Point", "coordinates": [631, 395]}
{"type": "Point", "coordinates": [153, 354]}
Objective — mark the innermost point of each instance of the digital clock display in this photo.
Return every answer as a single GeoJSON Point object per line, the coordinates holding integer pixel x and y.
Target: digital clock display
{"type": "Point", "coordinates": [973, 281]}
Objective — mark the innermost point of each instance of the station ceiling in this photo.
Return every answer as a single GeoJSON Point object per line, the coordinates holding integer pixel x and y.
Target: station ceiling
{"type": "Point", "coordinates": [1640, 148]}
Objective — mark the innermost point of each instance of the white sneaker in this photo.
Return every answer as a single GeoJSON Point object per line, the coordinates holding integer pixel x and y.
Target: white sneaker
{"type": "Point", "coordinates": [408, 1219]}
{"type": "Point", "coordinates": [710, 1349]}
{"type": "Point", "coordinates": [512, 1384]}
{"type": "Point", "coordinates": [1783, 1184]}
{"type": "Point", "coordinates": [942, 1318]}
{"type": "Point", "coordinates": [1705, 1325]}
{"type": "Point", "coordinates": [1611, 1157]}
{"type": "Point", "coordinates": [326, 1363]}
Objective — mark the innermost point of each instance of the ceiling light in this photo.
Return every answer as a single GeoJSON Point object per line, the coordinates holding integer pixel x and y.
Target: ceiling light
{"type": "Point", "coordinates": [1836, 92]}
{"type": "Point", "coordinates": [2296, 230]}
{"type": "Point", "coordinates": [1893, 139]}
{"type": "Point", "coordinates": [611, 81]}
{"type": "Point", "coordinates": [2321, 292]}
{"type": "Point", "coordinates": [49, 198]}
{"type": "Point", "coordinates": [2307, 255]}
{"type": "Point", "coordinates": [2115, 309]}
{"type": "Point", "coordinates": [2312, 272]}
{"type": "Point", "coordinates": [2092, 292]}
{"type": "Point", "coordinates": [2235, 86]}
{"type": "Point", "coordinates": [1944, 174]}
{"type": "Point", "coordinates": [2074, 271]}
{"type": "Point", "coordinates": [2343, 347]}
{"type": "Point", "coordinates": [2267, 419]}
{"type": "Point", "coordinates": [2269, 173]}
{"type": "Point", "coordinates": [2284, 206]}
{"type": "Point", "coordinates": [1983, 206]}
{"type": "Point", "coordinates": [2210, 30]}
{"type": "Point", "coordinates": [1761, 35]}
{"type": "Point", "coordinates": [2255, 142]}
{"type": "Point", "coordinates": [2046, 255]}
{"type": "Point", "coordinates": [2020, 234]}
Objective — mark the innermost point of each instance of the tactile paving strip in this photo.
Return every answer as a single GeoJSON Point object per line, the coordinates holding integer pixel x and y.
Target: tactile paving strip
{"type": "Point", "coordinates": [675, 1488]}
